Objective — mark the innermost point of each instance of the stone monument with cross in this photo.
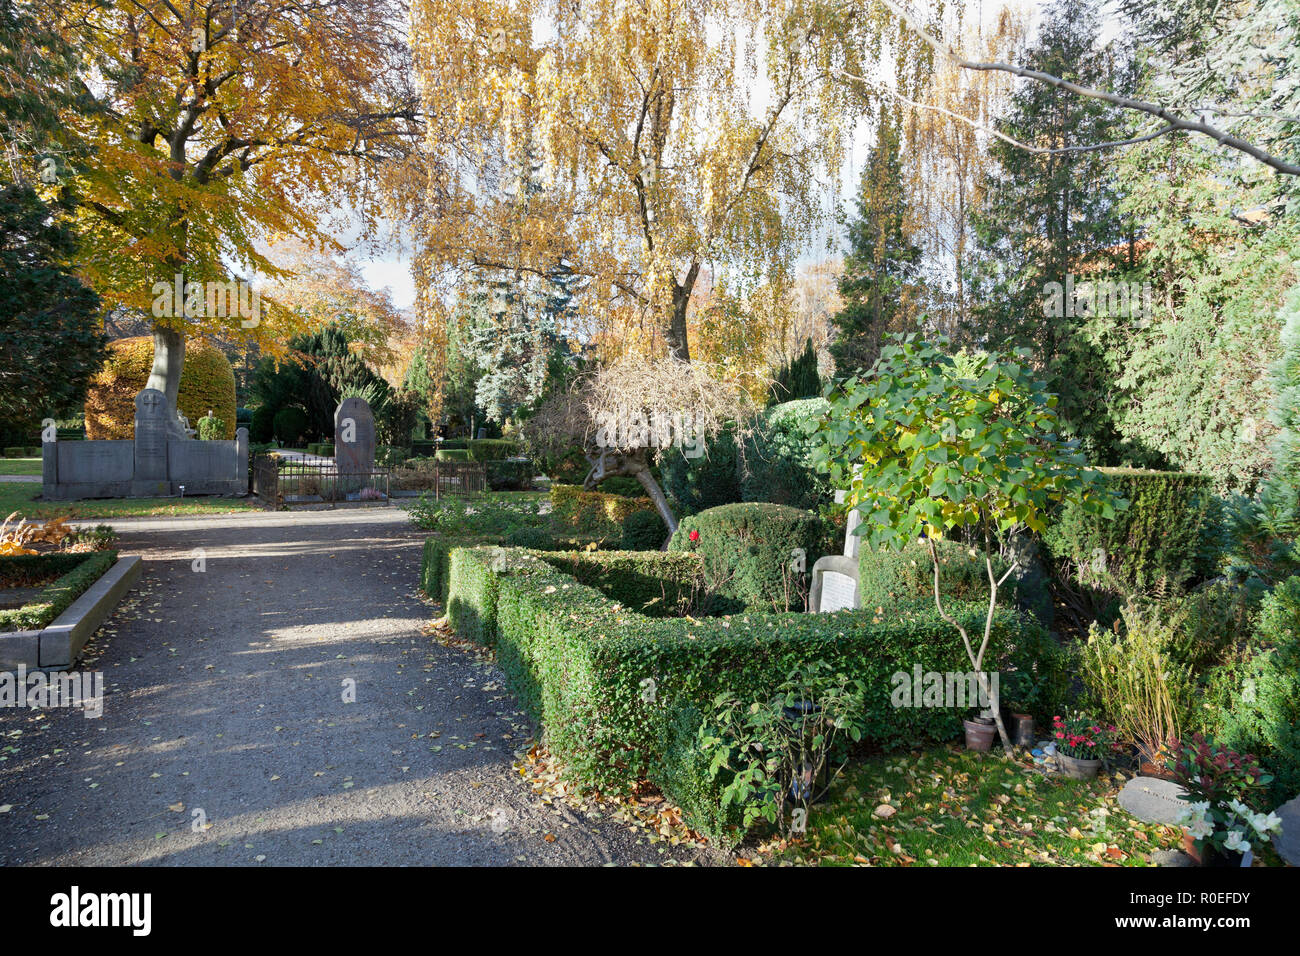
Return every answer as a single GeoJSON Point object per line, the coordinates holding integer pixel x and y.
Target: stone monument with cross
{"type": "Point", "coordinates": [152, 432]}
{"type": "Point", "coordinates": [159, 460]}
{"type": "Point", "coordinates": [835, 582]}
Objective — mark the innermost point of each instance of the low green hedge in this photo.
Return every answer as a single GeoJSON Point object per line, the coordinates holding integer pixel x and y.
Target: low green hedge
{"type": "Point", "coordinates": [747, 548]}
{"type": "Point", "coordinates": [472, 584]}
{"type": "Point", "coordinates": [644, 531]}
{"type": "Point", "coordinates": [594, 512]}
{"type": "Point", "coordinates": [435, 564]}
{"type": "Point", "coordinates": [452, 454]}
{"type": "Point", "coordinates": [1156, 543]}
{"type": "Point", "coordinates": [538, 539]}
{"type": "Point", "coordinates": [80, 571]}
{"type": "Point", "coordinates": [580, 664]}
{"type": "Point", "coordinates": [490, 449]}
{"type": "Point", "coordinates": [659, 585]}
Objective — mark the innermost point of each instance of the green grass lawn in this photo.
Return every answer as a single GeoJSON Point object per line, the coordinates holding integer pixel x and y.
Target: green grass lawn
{"type": "Point", "coordinates": [952, 807]}
{"type": "Point", "coordinates": [19, 496]}
{"type": "Point", "coordinates": [20, 466]}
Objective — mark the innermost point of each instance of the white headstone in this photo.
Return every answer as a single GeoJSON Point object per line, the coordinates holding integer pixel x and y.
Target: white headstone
{"type": "Point", "coordinates": [851, 540]}
{"type": "Point", "coordinates": [839, 591]}
{"type": "Point", "coordinates": [834, 584]}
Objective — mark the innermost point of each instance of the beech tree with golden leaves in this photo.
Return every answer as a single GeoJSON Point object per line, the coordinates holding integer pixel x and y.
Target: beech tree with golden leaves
{"type": "Point", "coordinates": [218, 123]}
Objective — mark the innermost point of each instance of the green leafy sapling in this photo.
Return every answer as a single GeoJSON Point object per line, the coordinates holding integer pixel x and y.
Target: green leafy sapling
{"type": "Point", "coordinates": [928, 444]}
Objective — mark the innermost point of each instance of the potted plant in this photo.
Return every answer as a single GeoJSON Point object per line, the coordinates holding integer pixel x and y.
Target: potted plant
{"type": "Point", "coordinates": [1081, 745]}
{"type": "Point", "coordinates": [980, 732]}
{"type": "Point", "coordinates": [1220, 824]}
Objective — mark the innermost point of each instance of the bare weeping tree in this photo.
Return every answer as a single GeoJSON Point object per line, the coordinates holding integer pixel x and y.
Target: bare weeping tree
{"type": "Point", "coordinates": [621, 415]}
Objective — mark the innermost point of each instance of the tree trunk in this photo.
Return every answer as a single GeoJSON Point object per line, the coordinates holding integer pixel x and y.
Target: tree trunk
{"type": "Point", "coordinates": [657, 495]}
{"type": "Point", "coordinates": [168, 360]}
{"type": "Point", "coordinates": [675, 333]}
{"type": "Point", "coordinates": [630, 465]}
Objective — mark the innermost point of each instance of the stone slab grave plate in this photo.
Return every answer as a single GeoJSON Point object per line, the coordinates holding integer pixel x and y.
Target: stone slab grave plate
{"type": "Point", "coordinates": [1288, 841]}
{"type": "Point", "coordinates": [1153, 800]}
{"type": "Point", "coordinates": [834, 584]}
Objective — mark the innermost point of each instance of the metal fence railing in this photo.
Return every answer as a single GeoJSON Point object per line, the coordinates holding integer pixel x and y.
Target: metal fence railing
{"type": "Point", "coordinates": [283, 483]}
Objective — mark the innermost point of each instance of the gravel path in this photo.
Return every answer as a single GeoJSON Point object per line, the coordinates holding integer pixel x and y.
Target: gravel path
{"type": "Point", "coordinates": [224, 705]}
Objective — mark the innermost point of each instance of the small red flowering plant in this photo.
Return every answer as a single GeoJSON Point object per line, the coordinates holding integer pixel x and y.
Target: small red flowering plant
{"type": "Point", "coordinates": [1221, 786]}
{"type": "Point", "coordinates": [1083, 738]}
{"type": "Point", "coordinates": [694, 535]}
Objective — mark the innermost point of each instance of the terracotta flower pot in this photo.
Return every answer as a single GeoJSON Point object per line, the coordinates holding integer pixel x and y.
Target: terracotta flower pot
{"type": "Point", "coordinates": [979, 735]}
{"type": "Point", "coordinates": [1077, 769]}
{"type": "Point", "coordinates": [1153, 765]}
{"type": "Point", "coordinates": [1211, 855]}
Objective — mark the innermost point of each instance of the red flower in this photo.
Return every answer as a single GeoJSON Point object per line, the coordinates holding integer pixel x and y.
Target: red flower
{"type": "Point", "coordinates": [694, 536]}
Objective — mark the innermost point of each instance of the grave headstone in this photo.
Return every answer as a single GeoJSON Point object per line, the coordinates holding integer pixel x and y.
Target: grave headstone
{"type": "Point", "coordinates": [152, 425]}
{"type": "Point", "coordinates": [1153, 800]}
{"type": "Point", "coordinates": [834, 584]}
{"type": "Point", "coordinates": [851, 540]}
{"type": "Point", "coordinates": [354, 437]}
{"type": "Point", "coordinates": [241, 454]}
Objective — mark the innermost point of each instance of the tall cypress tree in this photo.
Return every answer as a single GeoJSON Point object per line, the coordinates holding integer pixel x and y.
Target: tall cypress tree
{"type": "Point", "coordinates": [1047, 216]}
{"type": "Point", "coordinates": [798, 378]}
{"type": "Point", "coordinates": [881, 260]}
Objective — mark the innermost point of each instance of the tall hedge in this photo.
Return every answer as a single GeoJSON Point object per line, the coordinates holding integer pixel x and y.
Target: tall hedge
{"type": "Point", "coordinates": [1157, 542]}
{"type": "Point", "coordinates": [747, 550]}
{"type": "Point", "coordinates": [777, 465]}
{"type": "Point", "coordinates": [207, 382]}
{"type": "Point", "coordinates": [902, 578]}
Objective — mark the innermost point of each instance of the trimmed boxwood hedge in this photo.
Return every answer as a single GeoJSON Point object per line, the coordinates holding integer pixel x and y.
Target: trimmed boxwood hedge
{"type": "Point", "coordinates": [80, 571]}
{"type": "Point", "coordinates": [890, 578]}
{"type": "Point", "coordinates": [577, 661]}
{"type": "Point", "coordinates": [490, 449]}
{"type": "Point", "coordinates": [659, 585]}
{"type": "Point", "coordinates": [644, 531]}
{"type": "Point", "coordinates": [594, 511]}
{"type": "Point", "coordinates": [1158, 541]}
{"type": "Point", "coordinates": [747, 548]}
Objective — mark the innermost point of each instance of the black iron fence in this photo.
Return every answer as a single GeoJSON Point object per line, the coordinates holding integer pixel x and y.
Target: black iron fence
{"type": "Point", "coordinates": [283, 482]}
